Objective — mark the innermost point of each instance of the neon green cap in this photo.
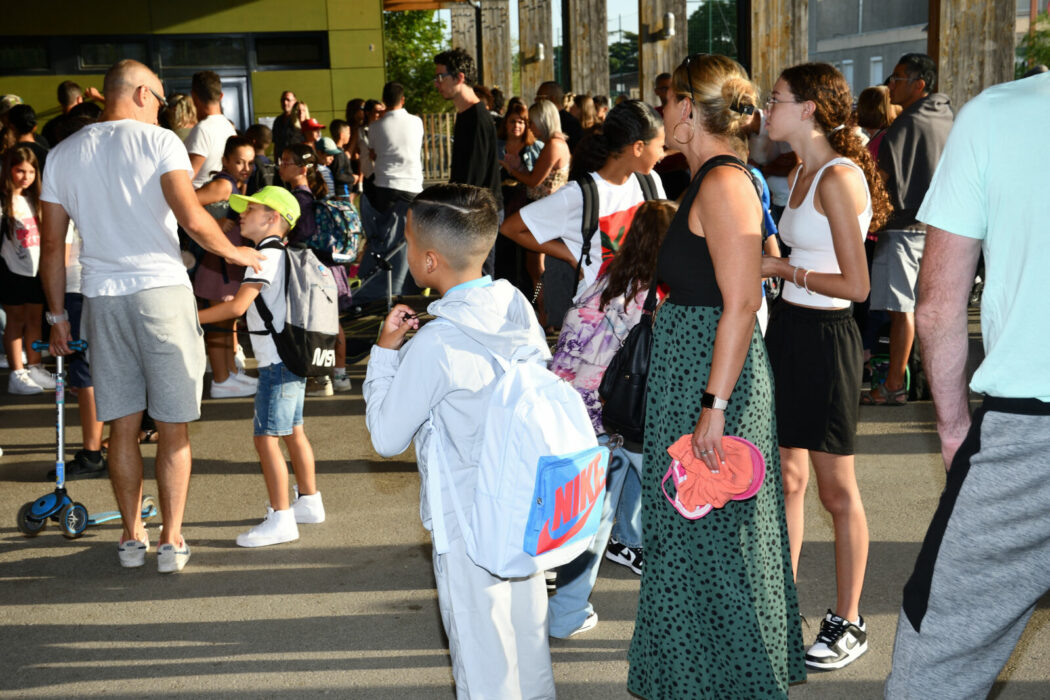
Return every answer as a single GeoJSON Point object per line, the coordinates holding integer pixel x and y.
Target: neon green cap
{"type": "Point", "coordinates": [277, 198]}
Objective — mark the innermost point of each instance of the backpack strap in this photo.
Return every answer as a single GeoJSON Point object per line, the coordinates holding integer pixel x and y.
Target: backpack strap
{"type": "Point", "coordinates": [260, 305]}
{"type": "Point", "coordinates": [589, 189]}
{"type": "Point", "coordinates": [648, 185]}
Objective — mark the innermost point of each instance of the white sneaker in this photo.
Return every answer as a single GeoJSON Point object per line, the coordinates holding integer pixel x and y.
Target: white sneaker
{"type": "Point", "coordinates": [278, 526]}
{"type": "Point", "coordinates": [308, 509]}
{"type": "Point", "coordinates": [41, 377]}
{"type": "Point", "coordinates": [341, 382]}
{"type": "Point", "coordinates": [238, 358]}
{"type": "Point", "coordinates": [244, 380]}
{"type": "Point", "coordinates": [171, 560]}
{"type": "Point", "coordinates": [21, 382]}
{"type": "Point", "coordinates": [230, 389]}
{"type": "Point", "coordinates": [320, 386]}
{"type": "Point", "coordinates": [132, 553]}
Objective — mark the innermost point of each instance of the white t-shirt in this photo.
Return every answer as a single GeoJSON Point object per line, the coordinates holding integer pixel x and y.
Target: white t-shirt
{"type": "Point", "coordinates": [107, 178]}
{"type": "Point", "coordinates": [397, 139]}
{"type": "Point", "coordinates": [22, 251]}
{"type": "Point", "coordinates": [73, 245]}
{"type": "Point", "coordinates": [271, 277]}
{"type": "Point", "coordinates": [560, 215]}
{"type": "Point", "coordinates": [208, 139]}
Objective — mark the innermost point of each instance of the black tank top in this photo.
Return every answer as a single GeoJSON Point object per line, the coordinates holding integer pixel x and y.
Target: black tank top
{"type": "Point", "coordinates": [684, 264]}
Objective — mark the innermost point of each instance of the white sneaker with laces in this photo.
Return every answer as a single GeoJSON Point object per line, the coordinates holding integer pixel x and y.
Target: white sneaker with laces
{"type": "Point", "coordinates": [245, 380]}
{"type": "Point", "coordinates": [230, 389]}
{"type": "Point", "coordinates": [839, 643]}
{"type": "Point", "coordinates": [341, 382]}
{"type": "Point", "coordinates": [41, 377]}
{"type": "Point", "coordinates": [587, 625]}
{"type": "Point", "coordinates": [170, 559]}
{"type": "Point", "coordinates": [278, 526]}
{"type": "Point", "coordinates": [308, 509]}
{"type": "Point", "coordinates": [20, 382]}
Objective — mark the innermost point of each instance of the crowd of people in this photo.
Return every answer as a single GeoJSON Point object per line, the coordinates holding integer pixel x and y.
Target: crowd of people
{"type": "Point", "coordinates": [567, 216]}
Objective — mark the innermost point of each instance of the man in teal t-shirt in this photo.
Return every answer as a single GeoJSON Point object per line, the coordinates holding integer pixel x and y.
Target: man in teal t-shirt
{"type": "Point", "coordinates": [985, 561]}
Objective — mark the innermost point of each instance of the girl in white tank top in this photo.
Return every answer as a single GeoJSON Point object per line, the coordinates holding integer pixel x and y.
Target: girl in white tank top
{"type": "Point", "coordinates": [808, 233]}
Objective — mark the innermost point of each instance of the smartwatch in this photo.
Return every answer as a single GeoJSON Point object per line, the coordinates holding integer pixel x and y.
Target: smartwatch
{"type": "Point", "coordinates": [711, 401]}
{"type": "Point", "coordinates": [52, 319]}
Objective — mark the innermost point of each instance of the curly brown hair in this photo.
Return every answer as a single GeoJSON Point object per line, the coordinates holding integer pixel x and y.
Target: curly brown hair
{"type": "Point", "coordinates": [634, 266]}
{"type": "Point", "coordinates": [824, 86]}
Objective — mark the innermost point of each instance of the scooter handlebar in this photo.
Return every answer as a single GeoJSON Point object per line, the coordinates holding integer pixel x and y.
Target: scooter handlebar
{"type": "Point", "coordinates": [40, 345]}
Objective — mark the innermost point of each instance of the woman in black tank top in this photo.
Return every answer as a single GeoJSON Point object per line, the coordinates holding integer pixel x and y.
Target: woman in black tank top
{"type": "Point", "coordinates": [706, 580]}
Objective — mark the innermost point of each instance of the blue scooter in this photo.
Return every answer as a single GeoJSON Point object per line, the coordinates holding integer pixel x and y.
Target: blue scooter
{"type": "Point", "coordinates": [71, 516]}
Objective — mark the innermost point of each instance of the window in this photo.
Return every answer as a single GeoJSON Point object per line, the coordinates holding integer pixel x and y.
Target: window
{"type": "Point", "coordinates": [20, 54]}
{"type": "Point", "coordinates": [300, 50]}
{"type": "Point", "coordinates": [876, 77]}
{"type": "Point", "coordinates": [847, 72]}
{"type": "Point", "coordinates": [206, 51]}
{"type": "Point", "coordinates": [100, 55]}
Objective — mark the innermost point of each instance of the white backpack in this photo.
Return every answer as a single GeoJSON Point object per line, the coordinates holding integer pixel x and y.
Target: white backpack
{"type": "Point", "coordinates": [541, 475]}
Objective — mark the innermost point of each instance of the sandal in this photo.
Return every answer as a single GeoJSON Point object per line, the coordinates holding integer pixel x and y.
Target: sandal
{"type": "Point", "coordinates": [884, 397]}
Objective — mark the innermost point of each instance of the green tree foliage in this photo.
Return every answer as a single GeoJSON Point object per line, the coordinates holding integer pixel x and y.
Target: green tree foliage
{"type": "Point", "coordinates": [623, 54]}
{"type": "Point", "coordinates": [1034, 48]}
{"type": "Point", "coordinates": [712, 28]}
{"type": "Point", "coordinates": [412, 40]}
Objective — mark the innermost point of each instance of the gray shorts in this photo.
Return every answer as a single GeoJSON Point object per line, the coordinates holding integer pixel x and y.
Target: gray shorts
{"type": "Point", "coordinates": [895, 270]}
{"type": "Point", "coordinates": [147, 344]}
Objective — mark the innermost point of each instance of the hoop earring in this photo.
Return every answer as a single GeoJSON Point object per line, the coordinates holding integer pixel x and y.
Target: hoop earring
{"type": "Point", "coordinates": [674, 133]}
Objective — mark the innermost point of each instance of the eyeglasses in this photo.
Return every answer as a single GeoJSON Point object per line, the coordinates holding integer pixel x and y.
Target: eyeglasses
{"type": "Point", "coordinates": [774, 101]}
{"type": "Point", "coordinates": [441, 76]}
{"type": "Point", "coordinates": [897, 79]}
{"type": "Point", "coordinates": [689, 72]}
{"type": "Point", "coordinates": [160, 98]}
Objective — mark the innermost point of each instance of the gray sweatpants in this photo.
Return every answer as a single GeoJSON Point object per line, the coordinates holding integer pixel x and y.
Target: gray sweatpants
{"type": "Point", "coordinates": [985, 561]}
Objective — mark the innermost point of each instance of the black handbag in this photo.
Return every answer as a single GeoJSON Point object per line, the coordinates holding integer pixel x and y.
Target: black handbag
{"type": "Point", "coordinates": [624, 385]}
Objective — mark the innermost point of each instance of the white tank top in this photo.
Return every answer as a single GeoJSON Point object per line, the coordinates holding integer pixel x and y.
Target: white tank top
{"type": "Point", "coordinates": [808, 233]}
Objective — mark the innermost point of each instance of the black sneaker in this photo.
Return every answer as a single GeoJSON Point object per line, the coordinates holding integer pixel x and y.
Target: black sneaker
{"type": "Point", "coordinates": [82, 467]}
{"type": "Point", "coordinates": [839, 643]}
{"type": "Point", "coordinates": [631, 557]}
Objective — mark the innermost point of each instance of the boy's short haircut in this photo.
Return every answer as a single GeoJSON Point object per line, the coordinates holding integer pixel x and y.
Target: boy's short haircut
{"type": "Point", "coordinates": [458, 221]}
{"type": "Point", "coordinates": [335, 126]}
{"type": "Point", "coordinates": [260, 135]}
{"type": "Point", "coordinates": [207, 86]}
{"type": "Point", "coordinates": [458, 61]}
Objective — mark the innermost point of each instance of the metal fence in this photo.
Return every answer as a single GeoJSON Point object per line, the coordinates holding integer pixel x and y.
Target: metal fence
{"type": "Point", "coordinates": [437, 146]}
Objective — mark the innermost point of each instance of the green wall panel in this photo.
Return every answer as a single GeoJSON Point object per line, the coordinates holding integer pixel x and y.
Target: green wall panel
{"type": "Point", "coordinates": [39, 91]}
{"type": "Point", "coordinates": [310, 86]}
{"type": "Point", "coordinates": [348, 83]}
{"type": "Point", "coordinates": [356, 48]}
{"type": "Point", "coordinates": [355, 14]}
{"type": "Point", "coordinates": [219, 16]}
{"type": "Point", "coordinates": [62, 17]}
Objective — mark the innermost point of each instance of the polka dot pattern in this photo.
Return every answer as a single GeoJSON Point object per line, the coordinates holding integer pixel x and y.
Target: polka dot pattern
{"type": "Point", "coordinates": [718, 611]}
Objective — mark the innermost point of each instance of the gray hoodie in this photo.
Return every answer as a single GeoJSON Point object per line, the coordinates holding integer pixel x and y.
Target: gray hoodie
{"type": "Point", "coordinates": [442, 379]}
{"type": "Point", "coordinates": [909, 154]}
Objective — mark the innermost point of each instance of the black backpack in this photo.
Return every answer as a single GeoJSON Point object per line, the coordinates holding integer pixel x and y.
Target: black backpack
{"type": "Point", "coordinates": [591, 205]}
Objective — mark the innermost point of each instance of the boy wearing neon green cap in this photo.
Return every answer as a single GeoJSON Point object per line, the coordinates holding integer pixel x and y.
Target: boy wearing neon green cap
{"type": "Point", "coordinates": [266, 216]}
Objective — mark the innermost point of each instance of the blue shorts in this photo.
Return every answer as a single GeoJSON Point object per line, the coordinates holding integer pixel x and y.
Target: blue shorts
{"type": "Point", "coordinates": [278, 401]}
{"type": "Point", "coordinates": [78, 372]}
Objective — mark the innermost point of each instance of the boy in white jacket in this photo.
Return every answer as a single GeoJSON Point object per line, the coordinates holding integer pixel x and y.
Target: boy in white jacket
{"type": "Point", "coordinates": [441, 381]}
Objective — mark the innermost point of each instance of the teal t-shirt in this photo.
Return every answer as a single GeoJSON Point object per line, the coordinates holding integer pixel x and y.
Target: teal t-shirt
{"type": "Point", "coordinates": [991, 184]}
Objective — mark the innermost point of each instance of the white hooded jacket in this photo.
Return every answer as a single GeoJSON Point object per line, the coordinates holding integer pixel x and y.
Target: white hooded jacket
{"type": "Point", "coordinates": [442, 379]}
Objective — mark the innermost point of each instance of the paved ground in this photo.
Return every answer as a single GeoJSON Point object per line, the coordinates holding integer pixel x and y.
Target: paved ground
{"type": "Point", "coordinates": [350, 609]}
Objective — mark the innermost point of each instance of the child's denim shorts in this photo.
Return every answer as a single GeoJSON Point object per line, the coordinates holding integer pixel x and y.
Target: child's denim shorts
{"type": "Point", "coordinates": [278, 401]}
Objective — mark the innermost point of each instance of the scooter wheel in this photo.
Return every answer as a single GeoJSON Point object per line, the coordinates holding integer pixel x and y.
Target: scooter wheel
{"type": "Point", "coordinates": [149, 507]}
{"type": "Point", "coordinates": [26, 525]}
{"type": "Point", "coordinates": [73, 519]}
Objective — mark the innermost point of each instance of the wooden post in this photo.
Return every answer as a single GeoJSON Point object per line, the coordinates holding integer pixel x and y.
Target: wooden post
{"type": "Point", "coordinates": [586, 46]}
{"type": "Point", "coordinates": [495, 44]}
{"type": "Point", "coordinates": [658, 53]}
{"type": "Point", "coordinates": [464, 32]}
{"type": "Point", "coordinates": [972, 42]}
{"type": "Point", "coordinates": [534, 28]}
{"type": "Point", "coordinates": [779, 39]}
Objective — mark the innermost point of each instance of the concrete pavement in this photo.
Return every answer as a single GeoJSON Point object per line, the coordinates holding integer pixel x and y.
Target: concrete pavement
{"type": "Point", "coordinates": [350, 609]}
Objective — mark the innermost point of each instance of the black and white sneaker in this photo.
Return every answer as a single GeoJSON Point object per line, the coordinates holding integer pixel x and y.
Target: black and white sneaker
{"type": "Point", "coordinates": [631, 557]}
{"type": "Point", "coordinates": [839, 643]}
